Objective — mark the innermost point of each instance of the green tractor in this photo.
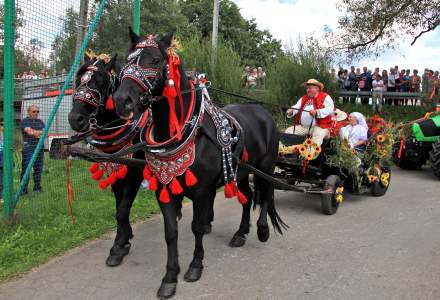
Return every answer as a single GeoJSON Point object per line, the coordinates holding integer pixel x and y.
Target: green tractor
{"type": "Point", "coordinates": [420, 144]}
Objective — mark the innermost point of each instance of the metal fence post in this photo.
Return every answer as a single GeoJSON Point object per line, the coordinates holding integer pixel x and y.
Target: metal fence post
{"type": "Point", "coordinates": [8, 105]}
{"type": "Point", "coordinates": [137, 16]}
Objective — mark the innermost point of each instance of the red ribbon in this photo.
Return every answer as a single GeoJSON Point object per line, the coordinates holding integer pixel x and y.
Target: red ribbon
{"type": "Point", "coordinates": [70, 195]}
{"type": "Point", "coordinates": [399, 154]}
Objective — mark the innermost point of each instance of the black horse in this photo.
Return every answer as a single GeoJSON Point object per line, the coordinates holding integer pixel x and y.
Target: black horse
{"type": "Point", "coordinates": [143, 82]}
{"type": "Point", "coordinates": [96, 80]}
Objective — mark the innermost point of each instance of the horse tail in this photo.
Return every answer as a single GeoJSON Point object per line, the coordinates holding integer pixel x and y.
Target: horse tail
{"type": "Point", "coordinates": [277, 223]}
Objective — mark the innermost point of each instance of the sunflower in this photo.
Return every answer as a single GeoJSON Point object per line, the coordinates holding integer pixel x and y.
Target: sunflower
{"type": "Point", "coordinates": [372, 178]}
{"type": "Point", "coordinates": [380, 138]}
{"type": "Point", "coordinates": [385, 182]}
{"type": "Point", "coordinates": [339, 198]}
{"type": "Point", "coordinates": [308, 142]}
{"type": "Point", "coordinates": [385, 176]}
{"type": "Point", "coordinates": [309, 156]}
{"type": "Point", "coordinates": [318, 149]}
{"type": "Point", "coordinates": [339, 190]}
{"type": "Point", "coordinates": [302, 149]}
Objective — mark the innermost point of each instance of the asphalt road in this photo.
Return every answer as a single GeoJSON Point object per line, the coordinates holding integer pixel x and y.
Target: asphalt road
{"type": "Point", "coordinates": [373, 248]}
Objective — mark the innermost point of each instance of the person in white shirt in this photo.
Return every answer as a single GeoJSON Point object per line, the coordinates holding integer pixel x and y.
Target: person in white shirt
{"type": "Point", "coordinates": [378, 87]}
{"type": "Point", "coordinates": [312, 113]}
{"type": "Point", "coordinates": [356, 133]}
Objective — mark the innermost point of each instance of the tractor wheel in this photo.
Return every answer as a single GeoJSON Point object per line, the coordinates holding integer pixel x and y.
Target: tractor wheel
{"type": "Point", "coordinates": [380, 186]}
{"type": "Point", "coordinates": [434, 158]}
{"type": "Point", "coordinates": [329, 203]}
{"type": "Point", "coordinates": [407, 162]}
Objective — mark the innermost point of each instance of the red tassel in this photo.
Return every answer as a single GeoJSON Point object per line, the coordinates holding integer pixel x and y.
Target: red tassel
{"type": "Point", "coordinates": [230, 189]}
{"type": "Point", "coordinates": [109, 105]}
{"type": "Point", "coordinates": [153, 183]}
{"type": "Point", "coordinates": [147, 173]}
{"type": "Point", "coordinates": [190, 178]}
{"type": "Point", "coordinates": [245, 156]}
{"type": "Point", "coordinates": [241, 197]}
{"type": "Point", "coordinates": [399, 154]}
{"type": "Point", "coordinates": [112, 178]}
{"type": "Point", "coordinates": [98, 175]}
{"type": "Point", "coordinates": [122, 171]}
{"type": "Point", "coordinates": [105, 183]}
{"type": "Point", "coordinates": [175, 187]}
{"type": "Point", "coordinates": [164, 196]}
{"type": "Point", "coordinates": [94, 168]}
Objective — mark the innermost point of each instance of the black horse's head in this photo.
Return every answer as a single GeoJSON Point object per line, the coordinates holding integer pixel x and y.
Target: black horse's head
{"type": "Point", "coordinates": [144, 76]}
{"type": "Point", "coordinates": [96, 80]}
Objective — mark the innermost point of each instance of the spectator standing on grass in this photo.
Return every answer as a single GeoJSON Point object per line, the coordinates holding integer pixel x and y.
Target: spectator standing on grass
{"type": "Point", "coordinates": [430, 85]}
{"type": "Point", "coordinates": [435, 86]}
{"type": "Point", "coordinates": [405, 83]}
{"type": "Point", "coordinates": [353, 83]}
{"type": "Point", "coordinates": [363, 85]}
{"type": "Point", "coordinates": [384, 78]}
{"type": "Point", "coordinates": [346, 79]}
{"type": "Point", "coordinates": [391, 85]}
{"type": "Point", "coordinates": [244, 77]}
{"type": "Point", "coordinates": [261, 75]}
{"type": "Point", "coordinates": [31, 129]}
{"type": "Point", "coordinates": [378, 87]}
{"type": "Point", "coordinates": [414, 84]}
{"type": "Point", "coordinates": [252, 79]}
{"type": "Point", "coordinates": [425, 80]}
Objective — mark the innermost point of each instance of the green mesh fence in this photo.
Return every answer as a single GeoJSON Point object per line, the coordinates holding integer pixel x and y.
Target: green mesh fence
{"type": "Point", "coordinates": [45, 48]}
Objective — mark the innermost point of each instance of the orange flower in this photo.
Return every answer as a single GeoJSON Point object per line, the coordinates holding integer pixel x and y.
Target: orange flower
{"type": "Point", "coordinates": [318, 149]}
{"type": "Point", "coordinates": [308, 142]}
{"type": "Point", "coordinates": [380, 138]}
{"type": "Point", "coordinates": [309, 156]}
{"type": "Point", "coordinates": [302, 149]}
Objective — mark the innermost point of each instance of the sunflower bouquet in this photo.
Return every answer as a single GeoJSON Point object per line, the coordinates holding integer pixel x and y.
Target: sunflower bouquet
{"type": "Point", "coordinates": [309, 150]}
{"type": "Point", "coordinates": [343, 157]}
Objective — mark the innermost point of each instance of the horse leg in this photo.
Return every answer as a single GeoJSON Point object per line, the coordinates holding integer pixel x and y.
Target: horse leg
{"type": "Point", "coordinates": [207, 228]}
{"type": "Point", "coordinates": [201, 212]}
{"type": "Point", "coordinates": [239, 238]}
{"type": "Point", "coordinates": [170, 212]}
{"type": "Point", "coordinates": [265, 191]}
{"type": "Point", "coordinates": [125, 192]}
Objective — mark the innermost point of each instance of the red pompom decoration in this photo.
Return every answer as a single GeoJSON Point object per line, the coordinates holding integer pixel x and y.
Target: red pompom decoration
{"type": "Point", "coordinates": [112, 178]}
{"type": "Point", "coordinates": [241, 198]}
{"type": "Point", "coordinates": [175, 187]}
{"type": "Point", "coordinates": [147, 173]}
{"type": "Point", "coordinates": [94, 168]}
{"type": "Point", "coordinates": [230, 189]}
{"type": "Point", "coordinates": [153, 183]}
{"type": "Point", "coordinates": [245, 156]}
{"type": "Point", "coordinates": [164, 196]}
{"type": "Point", "coordinates": [109, 105]}
{"type": "Point", "coordinates": [98, 175]}
{"type": "Point", "coordinates": [105, 183]}
{"type": "Point", "coordinates": [121, 172]}
{"type": "Point", "coordinates": [190, 178]}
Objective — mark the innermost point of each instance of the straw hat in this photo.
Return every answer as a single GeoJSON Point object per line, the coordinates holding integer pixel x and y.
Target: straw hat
{"type": "Point", "coordinates": [315, 83]}
{"type": "Point", "coordinates": [340, 115]}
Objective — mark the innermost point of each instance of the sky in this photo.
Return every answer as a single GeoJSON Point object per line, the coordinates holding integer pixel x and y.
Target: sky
{"type": "Point", "coordinates": [288, 19]}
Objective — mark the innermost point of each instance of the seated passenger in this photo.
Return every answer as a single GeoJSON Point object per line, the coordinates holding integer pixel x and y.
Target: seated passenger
{"type": "Point", "coordinates": [356, 133]}
{"type": "Point", "coordinates": [313, 113]}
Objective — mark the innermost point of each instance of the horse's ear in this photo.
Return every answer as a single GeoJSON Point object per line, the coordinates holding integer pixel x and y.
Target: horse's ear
{"type": "Point", "coordinates": [111, 64]}
{"type": "Point", "coordinates": [166, 40]}
{"type": "Point", "coordinates": [133, 36]}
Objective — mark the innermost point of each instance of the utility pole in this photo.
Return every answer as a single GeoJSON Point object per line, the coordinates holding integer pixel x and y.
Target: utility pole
{"type": "Point", "coordinates": [215, 30]}
{"type": "Point", "coordinates": [82, 27]}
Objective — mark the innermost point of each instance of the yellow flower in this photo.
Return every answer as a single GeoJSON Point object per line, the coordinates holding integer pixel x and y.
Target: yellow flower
{"type": "Point", "coordinates": [339, 198]}
{"type": "Point", "coordinates": [302, 149]}
{"type": "Point", "coordinates": [308, 142]}
{"type": "Point", "coordinates": [309, 156]}
{"type": "Point", "coordinates": [340, 190]}
{"type": "Point", "coordinates": [372, 178]}
{"type": "Point", "coordinates": [380, 138]}
{"type": "Point", "coordinates": [385, 182]}
{"type": "Point", "coordinates": [318, 149]}
{"type": "Point", "coordinates": [385, 176]}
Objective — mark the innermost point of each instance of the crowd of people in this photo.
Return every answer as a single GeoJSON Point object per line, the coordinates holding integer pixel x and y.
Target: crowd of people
{"type": "Point", "coordinates": [395, 80]}
{"type": "Point", "coordinates": [254, 78]}
{"type": "Point", "coordinates": [32, 75]}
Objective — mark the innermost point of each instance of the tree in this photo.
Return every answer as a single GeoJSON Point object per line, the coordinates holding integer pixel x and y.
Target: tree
{"type": "Point", "coordinates": [63, 47]}
{"type": "Point", "coordinates": [370, 26]}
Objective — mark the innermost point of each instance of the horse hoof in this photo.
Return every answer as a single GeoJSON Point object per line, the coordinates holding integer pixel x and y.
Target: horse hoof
{"type": "Point", "coordinates": [193, 274]}
{"type": "Point", "coordinates": [167, 290]}
{"type": "Point", "coordinates": [263, 233]}
{"type": "Point", "coordinates": [114, 260]}
{"type": "Point", "coordinates": [207, 229]}
{"type": "Point", "coordinates": [237, 241]}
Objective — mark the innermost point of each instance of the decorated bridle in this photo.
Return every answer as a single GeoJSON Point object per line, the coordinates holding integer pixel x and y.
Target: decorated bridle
{"type": "Point", "coordinates": [147, 78]}
{"type": "Point", "coordinates": [91, 96]}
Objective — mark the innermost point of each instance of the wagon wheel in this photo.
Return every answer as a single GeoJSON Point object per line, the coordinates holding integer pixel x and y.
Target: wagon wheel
{"type": "Point", "coordinates": [330, 201]}
{"type": "Point", "coordinates": [380, 186]}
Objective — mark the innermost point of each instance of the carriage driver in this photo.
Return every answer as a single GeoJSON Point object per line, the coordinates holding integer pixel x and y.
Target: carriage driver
{"type": "Point", "coordinates": [314, 112]}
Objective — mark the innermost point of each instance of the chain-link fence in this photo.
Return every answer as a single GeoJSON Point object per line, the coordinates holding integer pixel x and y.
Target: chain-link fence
{"type": "Point", "coordinates": [47, 37]}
